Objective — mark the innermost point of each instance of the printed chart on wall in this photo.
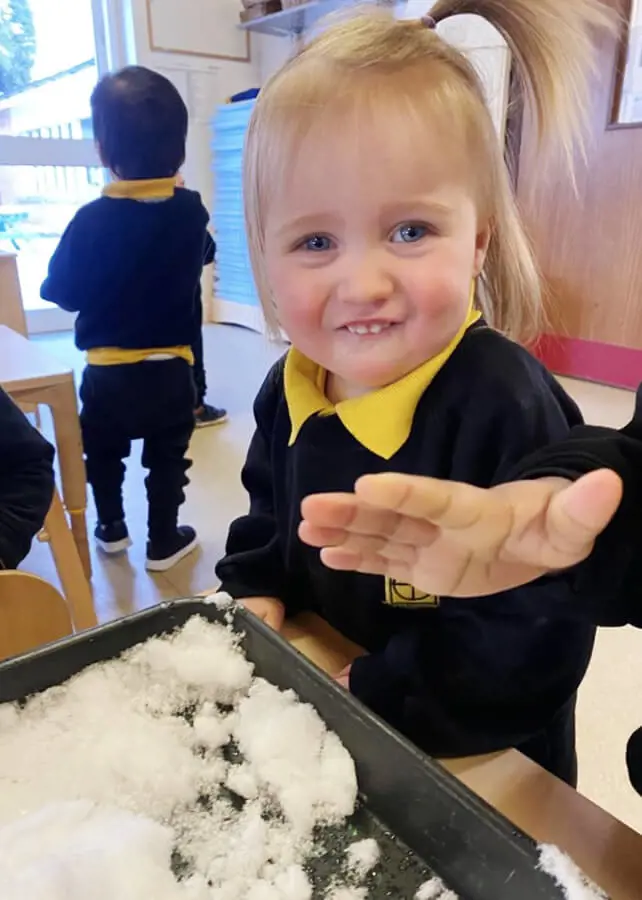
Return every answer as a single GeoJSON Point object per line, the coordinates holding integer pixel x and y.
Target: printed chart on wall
{"type": "Point", "coordinates": [207, 28]}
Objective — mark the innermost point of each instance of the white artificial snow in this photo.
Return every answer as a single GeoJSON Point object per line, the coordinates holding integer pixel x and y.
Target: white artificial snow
{"type": "Point", "coordinates": [221, 600]}
{"type": "Point", "coordinates": [435, 889]}
{"type": "Point", "coordinates": [103, 776]}
{"type": "Point", "coordinates": [567, 875]}
{"type": "Point", "coordinates": [295, 757]}
{"type": "Point", "coordinates": [430, 890]}
{"type": "Point", "coordinates": [71, 851]}
{"type": "Point", "coordinates": [363, 856]}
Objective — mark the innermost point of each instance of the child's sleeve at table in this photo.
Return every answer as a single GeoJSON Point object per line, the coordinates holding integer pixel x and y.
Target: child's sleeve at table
{"type": "Point", "coordinates": [253, 565]}
{"type": "Point", "coordinates": [607, 586]}
{"type": "Point", "coordinates": [26, 483]}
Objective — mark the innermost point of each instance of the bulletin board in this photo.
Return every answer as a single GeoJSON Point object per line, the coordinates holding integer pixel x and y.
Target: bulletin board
{"type": "Point", "coordinates": [205, 28]}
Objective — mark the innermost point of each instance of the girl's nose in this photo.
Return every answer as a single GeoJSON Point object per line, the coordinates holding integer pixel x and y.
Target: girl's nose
{"type": "Point", "coordinates": [364, 279]}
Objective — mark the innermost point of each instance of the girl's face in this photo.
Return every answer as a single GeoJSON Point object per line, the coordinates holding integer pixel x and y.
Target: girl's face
{"type": "Point", "coordinates": [371, 246]}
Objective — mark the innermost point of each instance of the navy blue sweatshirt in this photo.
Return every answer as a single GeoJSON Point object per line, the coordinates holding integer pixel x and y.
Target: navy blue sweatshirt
{"type": "Point", "coordinates": [458, 677]}
{"type": "Point", "coordinates": [131, 269]}
{"type": "Point", "coordinates": [26, 483]}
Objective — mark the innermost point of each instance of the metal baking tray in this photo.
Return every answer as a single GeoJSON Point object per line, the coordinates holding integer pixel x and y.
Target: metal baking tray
{"type": "Point", "coordinates": [425, 821]}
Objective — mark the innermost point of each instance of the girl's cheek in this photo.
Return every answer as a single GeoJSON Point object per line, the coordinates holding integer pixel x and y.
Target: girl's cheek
{"type": "Point", "coordinates": [441, 296]}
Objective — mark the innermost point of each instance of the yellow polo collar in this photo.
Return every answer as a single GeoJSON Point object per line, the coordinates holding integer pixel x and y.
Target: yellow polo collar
{"type": "Point", "coordinates": [381, 420]}
{"type": "Point", "coordinates": [145, 189]}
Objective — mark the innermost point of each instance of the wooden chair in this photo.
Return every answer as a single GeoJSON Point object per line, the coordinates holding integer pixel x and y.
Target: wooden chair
{"type": "Point", "coordinates": [32, 612]}
{"type": "Point", "coordinates": [75, 585]}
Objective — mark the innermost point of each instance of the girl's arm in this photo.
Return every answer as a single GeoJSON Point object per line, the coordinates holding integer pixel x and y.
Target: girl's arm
{"type": "Point", "coordinates": [253, 565]}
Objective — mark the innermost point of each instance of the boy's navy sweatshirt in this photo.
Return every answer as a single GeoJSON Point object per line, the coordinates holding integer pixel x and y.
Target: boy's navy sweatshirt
{"type": "Point", "coordinates": [130, 269]}
{"type": "Point", "coordinates": [459, 677]}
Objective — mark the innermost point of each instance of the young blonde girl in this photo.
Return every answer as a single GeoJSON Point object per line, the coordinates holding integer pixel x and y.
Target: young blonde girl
{"type": "Point", "coordinates": [386, 242]}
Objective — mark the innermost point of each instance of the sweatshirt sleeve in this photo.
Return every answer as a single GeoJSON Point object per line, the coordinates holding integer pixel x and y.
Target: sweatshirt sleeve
{"type": "Point", "coordinates": [26, 483]}
{"type": "Point", "coordinates": [606, 586]}
{"type": "Point", "coordinates": [66, 276]}
{"type": "Point", "coordinates": [210, 249]}
{"type": "Point", "coordinates": [253, 564]}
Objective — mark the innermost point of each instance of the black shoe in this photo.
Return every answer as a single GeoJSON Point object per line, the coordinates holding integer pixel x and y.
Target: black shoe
{"type": "Point", "coordinates": [209, 415]}
{"type": "Point", "coordinates": [112, 537]}
{"type": "Point", "coordinates": [161, 556]}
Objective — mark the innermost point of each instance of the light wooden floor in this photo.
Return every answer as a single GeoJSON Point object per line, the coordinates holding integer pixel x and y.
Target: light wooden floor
{"type": "Point", "coordinates": [610, 707]}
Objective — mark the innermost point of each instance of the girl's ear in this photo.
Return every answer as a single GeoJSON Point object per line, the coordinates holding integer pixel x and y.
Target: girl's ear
{"type": "Point", "coordinates": [481, 248]}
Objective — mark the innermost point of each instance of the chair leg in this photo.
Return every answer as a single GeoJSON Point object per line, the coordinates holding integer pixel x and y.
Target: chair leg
{"type": "Point", "coordinates": [75, 586]}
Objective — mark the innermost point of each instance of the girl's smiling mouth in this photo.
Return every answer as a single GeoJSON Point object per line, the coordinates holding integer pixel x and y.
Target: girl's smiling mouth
{"type": "Point", "coordinates": [368, 327]}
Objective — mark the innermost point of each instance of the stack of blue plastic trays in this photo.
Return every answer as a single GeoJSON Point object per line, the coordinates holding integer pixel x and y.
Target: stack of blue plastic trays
{"type": "Point", "coordinates": [236, 283]}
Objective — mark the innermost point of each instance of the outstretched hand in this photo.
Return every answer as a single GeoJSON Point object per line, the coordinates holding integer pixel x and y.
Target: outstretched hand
{"type": "Point", "coordinates": [456, 540]}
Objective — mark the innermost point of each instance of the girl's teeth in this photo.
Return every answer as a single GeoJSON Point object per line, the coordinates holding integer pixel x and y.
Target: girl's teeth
{"type": "Point", "coordinates": [375, 328]}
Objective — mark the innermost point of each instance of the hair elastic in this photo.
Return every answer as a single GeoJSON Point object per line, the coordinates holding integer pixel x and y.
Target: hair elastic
{"type": "Point", "coordinates": [428, 22]}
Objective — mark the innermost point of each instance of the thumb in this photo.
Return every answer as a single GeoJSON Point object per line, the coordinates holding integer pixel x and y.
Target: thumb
{"type": "Point", "coordinates": [579, 513]}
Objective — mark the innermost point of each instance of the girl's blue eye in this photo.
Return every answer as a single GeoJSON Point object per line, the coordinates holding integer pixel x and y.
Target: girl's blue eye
{"type": "Point", "coordinates": [316, 243]}
{"type": "Point", "coordinates": [409, 233]}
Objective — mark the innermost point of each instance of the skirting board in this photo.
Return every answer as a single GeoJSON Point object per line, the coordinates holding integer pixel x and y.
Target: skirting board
{"type": "Point", "coordinates": [225, 312]}
{"type": "Point", "coordinates": [591, 360]}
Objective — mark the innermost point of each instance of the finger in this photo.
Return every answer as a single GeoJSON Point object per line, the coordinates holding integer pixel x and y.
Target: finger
{"type": "Point", "coordinates": [329, 510]}
{"type": "Point", "coordinates": [329, 518]}
{"type": "Point", "coordinates": [446, 504]}
{"type": "Point", "coordinates": [345, 512]}
{"type": "Point", "coordinates": [315, 536]}
{"type": "Point", "coordinates": [579, 513]}
{"type": "Point", "coordinates": [344, 561]}
{"type": "Point", "coordinates": [366, 545]}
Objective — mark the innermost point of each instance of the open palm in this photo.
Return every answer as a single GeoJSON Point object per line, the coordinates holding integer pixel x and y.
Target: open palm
{"type": "Point", "coordinates": [456, 540]}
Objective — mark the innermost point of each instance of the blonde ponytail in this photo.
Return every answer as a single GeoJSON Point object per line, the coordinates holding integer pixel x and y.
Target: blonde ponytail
{"type": "Point", "coordinates": [552, 42]}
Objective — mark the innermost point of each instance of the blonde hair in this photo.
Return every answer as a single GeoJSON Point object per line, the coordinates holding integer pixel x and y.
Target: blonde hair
{"type": "Point", "coordinates": [372, 59]}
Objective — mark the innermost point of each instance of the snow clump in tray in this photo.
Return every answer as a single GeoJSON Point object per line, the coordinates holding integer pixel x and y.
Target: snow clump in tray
{"type": "Point", "coordinates": [173, 752]}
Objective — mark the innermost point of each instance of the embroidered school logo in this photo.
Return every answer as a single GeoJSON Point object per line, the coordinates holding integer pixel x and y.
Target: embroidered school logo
{"type": "Point", "coordinates": [400, 594]}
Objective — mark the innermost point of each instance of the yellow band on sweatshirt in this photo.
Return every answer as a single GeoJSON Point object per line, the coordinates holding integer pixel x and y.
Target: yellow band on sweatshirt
{"type": "Point", "coordinates": [145, 189]}
{"type": "Point", "coordinates": [116, 356]}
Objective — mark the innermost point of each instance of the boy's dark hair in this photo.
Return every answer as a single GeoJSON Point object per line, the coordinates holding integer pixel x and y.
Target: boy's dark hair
{"type": "Point", "coordinates": [140, 124]}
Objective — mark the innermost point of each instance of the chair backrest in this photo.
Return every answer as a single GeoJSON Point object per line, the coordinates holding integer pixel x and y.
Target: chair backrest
{"type": "Point", "coordinates": [32, 612]}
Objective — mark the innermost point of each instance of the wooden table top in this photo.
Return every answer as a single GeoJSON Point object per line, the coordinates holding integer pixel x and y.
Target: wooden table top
{"type": "Point", "coordinates": [24, 364]}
